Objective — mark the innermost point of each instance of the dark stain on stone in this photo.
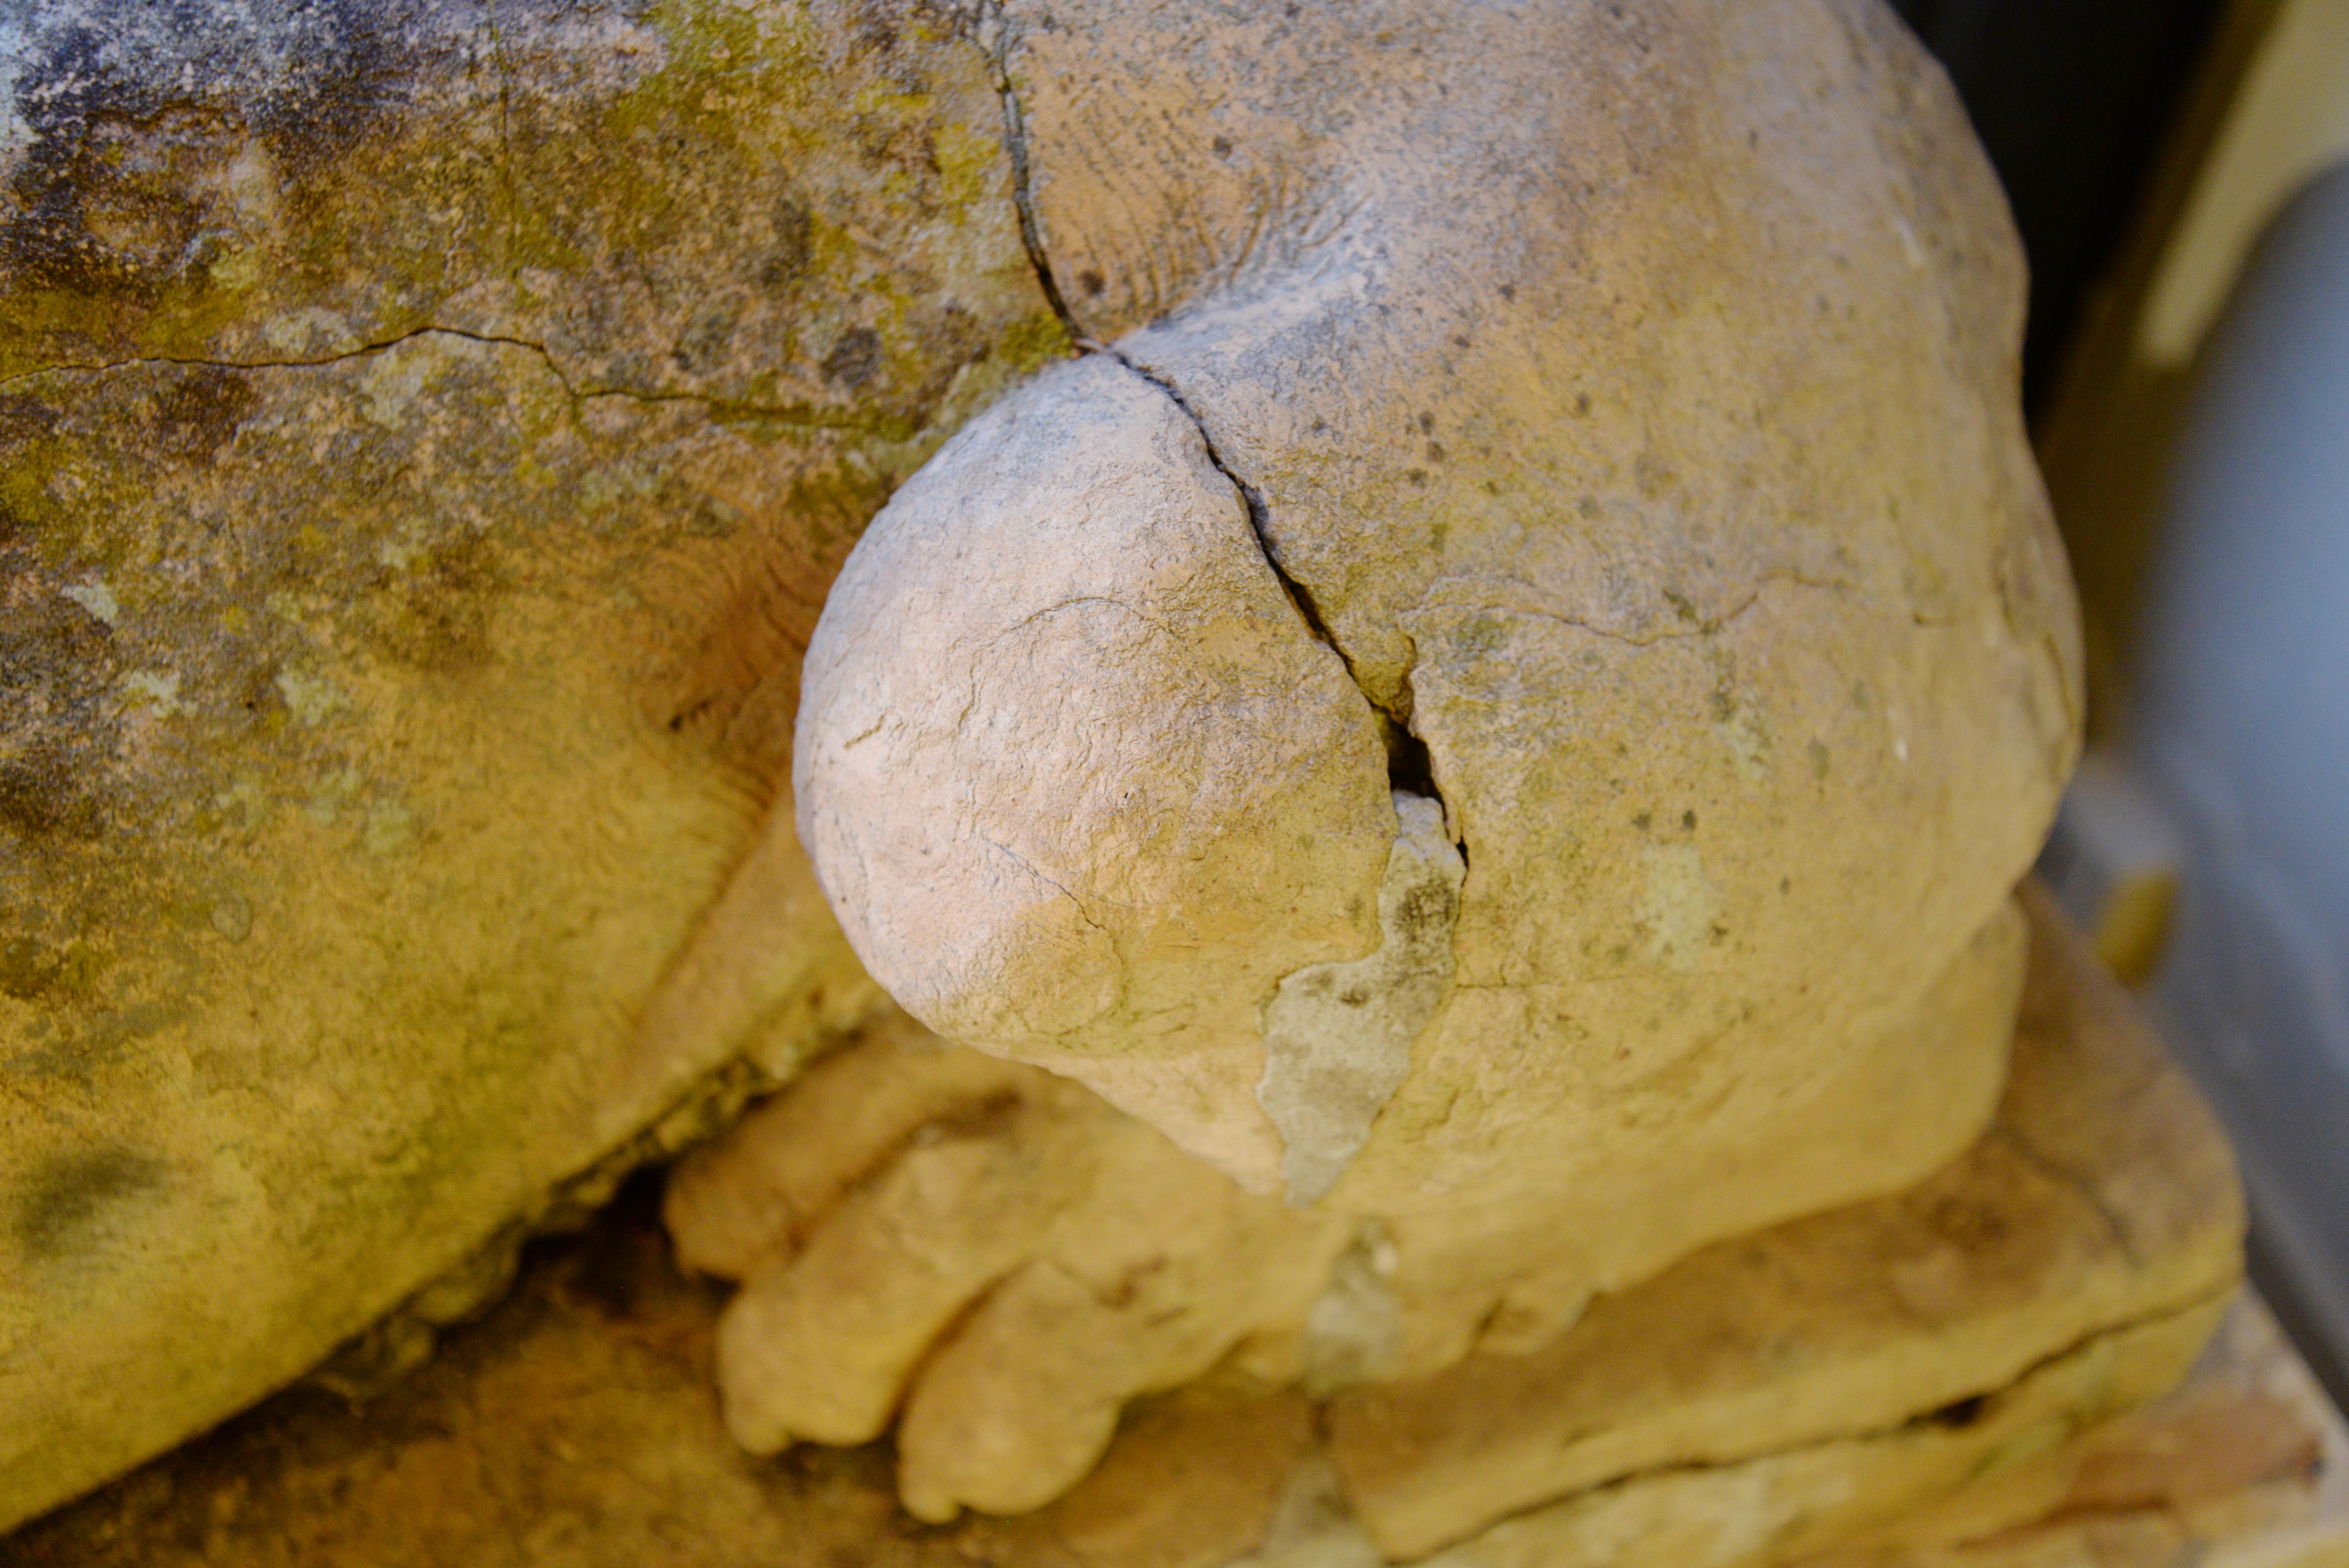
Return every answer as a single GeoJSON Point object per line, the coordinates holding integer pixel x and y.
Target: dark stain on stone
{"type": "Point", "coordinates": [22, 419]}
{"type": "Point", "coordinates": [31, 970]}
{"type": "Point", "coordinates": [1972, 1224]}
{"type": "Point", "coordinates": [65, 100]}
{"type": "Point", "coordinates": [63, 1209]}
{"type": "Point", "coordinates": [131, 104]}
{"type": "Point", "coordinates": [855, 358]}
{"type": "Point", "coordinates": [353, 75]}
{"type": "Point", "coordinates": [956, 339]}
{"type": "Point", "coordinates": [1428, 911]}
{"type": "Point", "coordinates": [786, 261]}
{"type": "Point", "coordinates": [108, 1039]}
{"type": "Point", "coordinates": [875, 25]}
{"type": "Point", "coordinates": [26, 969]}
{"type": "Point", "coordinates": [703, 344]}
{"type": "Point", "coordinates": [435, 616]}
{"type": "Point", "coordinates": [40, 799]}
{"type": "Point", "coordinates": [199, 414]}
{"type": "Point", "coordinates": [58, 726]}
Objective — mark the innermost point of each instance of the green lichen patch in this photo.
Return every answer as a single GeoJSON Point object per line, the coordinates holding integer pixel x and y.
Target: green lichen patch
{"type": "Point", "coordinates": [420, 468]}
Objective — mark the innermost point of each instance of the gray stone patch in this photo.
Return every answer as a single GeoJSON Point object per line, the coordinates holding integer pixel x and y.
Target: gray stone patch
{"type": "Point", "coordinates": [1338, 1036]}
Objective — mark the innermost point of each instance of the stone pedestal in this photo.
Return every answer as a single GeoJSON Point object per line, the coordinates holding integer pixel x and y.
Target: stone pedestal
{"type": "Point", "coordinates": [1981, 1372]}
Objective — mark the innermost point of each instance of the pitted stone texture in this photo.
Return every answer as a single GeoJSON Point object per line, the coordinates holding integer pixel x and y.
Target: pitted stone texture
{"type": "Point", "coordinates": [1082, 785]}
{"type": "Point", "coordinates": [1630, 394]}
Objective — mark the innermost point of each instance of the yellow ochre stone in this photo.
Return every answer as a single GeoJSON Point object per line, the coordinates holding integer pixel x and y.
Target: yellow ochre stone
{"type": "Point", "coordinates": [575, 1425]}
{"type": "Point", "coordinates": [1456, 657]}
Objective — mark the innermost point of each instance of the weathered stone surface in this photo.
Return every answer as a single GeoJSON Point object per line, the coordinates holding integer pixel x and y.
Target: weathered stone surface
{"type": "Point", "coordinates": [1626, 396]}
{"type": "Point", "coordinates": [428, 431]}
{"type": "Point", "coordinates": [1764, 1509]}
{"type": "Point", "coordinates": [1008, 1260]}
{"type": "Point", "coordinates": [431, 428]}
{"type": "Point", "coordinates": [1338, 1036]}
{"type": "Point", "coordinates": [2076, 1259]}
{"type": "Point", "coordinates": [1040, 1258]}
{"type": "Point", "coordinates": [574, 1426]}
{"type": "Point", "coordinates": [1084, 589]}
{"type": "Point", "coordinates": [2245, 1465]}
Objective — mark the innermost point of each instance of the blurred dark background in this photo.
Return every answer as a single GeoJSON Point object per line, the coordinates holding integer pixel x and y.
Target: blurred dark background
{"type": "Point", "coordinates": [2179, 171]}
{"type": "Point", "coordinates": [2072, 97]}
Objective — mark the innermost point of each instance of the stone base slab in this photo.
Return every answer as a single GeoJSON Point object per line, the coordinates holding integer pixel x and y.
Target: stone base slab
{"type": "Point", "coordinates": [1970, 1375]}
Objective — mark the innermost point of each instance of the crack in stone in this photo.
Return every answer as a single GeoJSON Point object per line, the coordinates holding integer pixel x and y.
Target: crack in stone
{"type": "Point", "coordinates": [502, 63]}
{"type": "Point", "coordinates": [1015, 141]}
{"type": "Point", "coordinates": [1331, 1063]}
{"type": "Point", "coordinates": [722, 409]}
{"type": "Point", "coordinates": [1024, 863]}
{"type": "Point", "coordinates": [1250, 497]}
{"type": "Point", "coordinates": [1705, 627]}
{"type": "Point", "coordinates": [1409, 768]}
{"type": "Point", "coordinates": [1015, 144]}
{"type": "Point", "coordinates": [1942, 1416]}
{"type": "Point", "coordinates": [200, 362]}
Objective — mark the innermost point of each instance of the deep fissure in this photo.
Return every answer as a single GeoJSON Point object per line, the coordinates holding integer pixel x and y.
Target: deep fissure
{"type": "Point", "coordinates": [1410, 767]}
